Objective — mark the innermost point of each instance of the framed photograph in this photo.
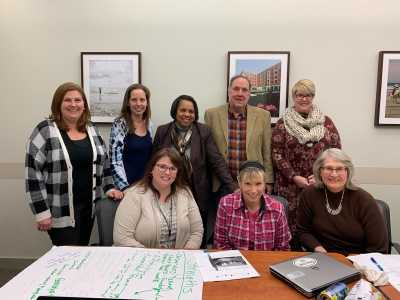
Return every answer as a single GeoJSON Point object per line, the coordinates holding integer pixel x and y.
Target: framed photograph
{"type": "Point", "coordinates": [105, 77]}
{"type": "Point", "coordinates": [387, 107]}
{"type": "Point", "coordinates": [268, 72]}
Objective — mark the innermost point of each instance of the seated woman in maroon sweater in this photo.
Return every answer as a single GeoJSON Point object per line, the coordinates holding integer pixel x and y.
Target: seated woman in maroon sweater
{"type": "Point", "coordinates": [337, 216]}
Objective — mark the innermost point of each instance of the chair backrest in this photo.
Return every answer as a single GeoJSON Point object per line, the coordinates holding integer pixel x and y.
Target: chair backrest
{"type": "Point", "coordinates": [284, 203]}
{"type": "Point", "coordinates": [385, 210]}
{"type": "Point", "coordinates": [105, 214]}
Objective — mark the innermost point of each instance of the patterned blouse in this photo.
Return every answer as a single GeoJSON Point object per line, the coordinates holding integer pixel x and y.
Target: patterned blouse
{"type": "Point", "coordinates": [167, 214]}
{"type": "Point", "coordinates": [291, 158]}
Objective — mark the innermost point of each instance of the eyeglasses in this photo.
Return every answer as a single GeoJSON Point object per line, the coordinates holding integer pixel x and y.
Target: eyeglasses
{"type": "Point", "coordinates": [301, 96]}
{"type": "Point", "coordinates": [330, 170]}
{"type": "Point", "coordinates": [164, 168]}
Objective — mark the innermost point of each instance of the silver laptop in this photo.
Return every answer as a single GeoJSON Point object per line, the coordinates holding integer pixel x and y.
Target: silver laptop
{"type": "Point", "coordinates": [312, 273]}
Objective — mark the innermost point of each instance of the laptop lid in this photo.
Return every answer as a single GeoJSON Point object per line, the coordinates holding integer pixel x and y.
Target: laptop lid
{"type": "Point", "coordinates": [312, 273]}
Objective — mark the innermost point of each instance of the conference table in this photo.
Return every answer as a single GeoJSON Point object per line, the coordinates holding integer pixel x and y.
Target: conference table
{"type": "Point", "coordinates": [267, 286]}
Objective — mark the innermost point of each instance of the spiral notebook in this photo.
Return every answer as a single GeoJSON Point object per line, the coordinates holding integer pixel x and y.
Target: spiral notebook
{"type": "Point", "coordinates": [312, 273]}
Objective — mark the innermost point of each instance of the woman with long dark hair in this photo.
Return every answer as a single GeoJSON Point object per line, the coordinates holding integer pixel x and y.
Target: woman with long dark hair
{"type": "Point", "coordinates": [131, 137]}
{"type": "Point", "coordinates": [159, 211]}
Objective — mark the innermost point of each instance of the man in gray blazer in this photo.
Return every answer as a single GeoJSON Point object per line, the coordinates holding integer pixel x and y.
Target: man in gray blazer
{"type": "Point", "coordinates": [241, 131]}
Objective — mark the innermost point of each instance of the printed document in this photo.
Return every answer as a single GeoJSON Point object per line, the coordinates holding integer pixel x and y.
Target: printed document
{"type": "Point", "coordinates": [224, 265]}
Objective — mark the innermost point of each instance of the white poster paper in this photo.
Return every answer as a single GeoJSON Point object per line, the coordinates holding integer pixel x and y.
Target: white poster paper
{"type": "Point", "coordinates": [109, 272]}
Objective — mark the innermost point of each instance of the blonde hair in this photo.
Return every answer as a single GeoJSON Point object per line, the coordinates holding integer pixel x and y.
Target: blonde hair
{"type": "Point", "coordinates": [251, 173]}
{"type": "Point", "coordinates": [303, 86]}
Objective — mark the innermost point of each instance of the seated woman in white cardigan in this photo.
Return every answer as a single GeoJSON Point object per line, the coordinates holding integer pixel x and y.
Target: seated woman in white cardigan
{"type": "Point", "coordinates": [159, 211]}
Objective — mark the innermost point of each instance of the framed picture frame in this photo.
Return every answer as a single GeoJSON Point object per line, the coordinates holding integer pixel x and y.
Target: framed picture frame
{"type": "Point", "coordinates": [387, 106]}
{"type": "Point", "coordinates": [105, 77]}
{"type": "Point", "coordinates": [268, 72]}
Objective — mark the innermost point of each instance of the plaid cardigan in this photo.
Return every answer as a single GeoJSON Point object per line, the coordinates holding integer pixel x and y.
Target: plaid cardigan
{"type": "Point", "coordinates": [119, 130]}
{"type": "Point", "coordinates": [48, 173]}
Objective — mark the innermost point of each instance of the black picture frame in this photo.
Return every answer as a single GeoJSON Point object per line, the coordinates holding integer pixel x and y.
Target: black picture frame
{"type": "Point", "coordinates": [387, 105]}
{"type": "Point", "coordinates": [268, 72]}
{"type": "Point", "coordinates": [105, 77]}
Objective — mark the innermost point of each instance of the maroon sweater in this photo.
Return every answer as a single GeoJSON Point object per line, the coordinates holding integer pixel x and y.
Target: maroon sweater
{"type": "Point", "coordinates": [358, 228]}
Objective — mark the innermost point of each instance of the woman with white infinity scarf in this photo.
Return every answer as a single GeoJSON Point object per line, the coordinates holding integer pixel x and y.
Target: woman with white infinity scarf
{"type": "Point", "coordinates": [297, 139]}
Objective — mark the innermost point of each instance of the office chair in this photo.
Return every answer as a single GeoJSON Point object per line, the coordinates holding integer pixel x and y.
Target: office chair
{"type": "Point", "coordinates": [284, 203]}
{"type": "Point", "coordinates": [105, 214]}
{"type": "Point", "coordinates": [385, 210]}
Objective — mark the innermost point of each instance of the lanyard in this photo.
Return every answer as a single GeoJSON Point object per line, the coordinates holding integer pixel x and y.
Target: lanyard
{"type": "Point", "coordinates": [169, 224]}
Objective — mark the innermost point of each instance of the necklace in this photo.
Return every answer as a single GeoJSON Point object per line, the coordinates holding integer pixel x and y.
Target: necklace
{"type": "Point", "coordinates": [169, 224]}
{"type": "Point", "coordinates": [331, 211]}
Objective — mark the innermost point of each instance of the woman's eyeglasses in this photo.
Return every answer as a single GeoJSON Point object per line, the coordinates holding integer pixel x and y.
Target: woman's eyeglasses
{"type": "Point", "coordinates": [330, 170]}
{"type": "Point", "coordinates": [164, 168]}
{"type": "Point", "coordinates": [301, 96]}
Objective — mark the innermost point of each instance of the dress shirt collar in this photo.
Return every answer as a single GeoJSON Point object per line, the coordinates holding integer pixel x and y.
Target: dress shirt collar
{"type": "Point", "coordinates": [236, 115]}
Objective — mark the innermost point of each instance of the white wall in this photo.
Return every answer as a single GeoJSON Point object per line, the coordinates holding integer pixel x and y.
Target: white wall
{"type": "Point", "coordinates": [184, 46]}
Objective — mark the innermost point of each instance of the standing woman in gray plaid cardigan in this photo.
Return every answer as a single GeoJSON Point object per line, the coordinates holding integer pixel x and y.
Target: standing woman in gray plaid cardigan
{"type": "Point", "coordinates": [67, 169]}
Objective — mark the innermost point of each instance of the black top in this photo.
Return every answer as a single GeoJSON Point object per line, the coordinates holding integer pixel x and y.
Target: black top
{"type": "Point", "coordinates": [136, 154]}
{"type": "Point", "coordinates": [81, 156]}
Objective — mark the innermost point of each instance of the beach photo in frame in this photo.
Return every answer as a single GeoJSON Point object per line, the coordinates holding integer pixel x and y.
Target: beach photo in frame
{"type": "Point", "coordinates": [387, 106]}
{"type": "Point", "coordinates": [105, 77]}
{"type": "Point", "coordinates": [268, 72]}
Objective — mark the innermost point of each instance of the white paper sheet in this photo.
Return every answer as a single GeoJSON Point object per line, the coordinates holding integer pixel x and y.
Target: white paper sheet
{"type": "Point", "coordinates": [389, 263]}
{"type": "Point", "coordinates": [224, 265]}
{"type": "Point", "coordinates": [109, 272]}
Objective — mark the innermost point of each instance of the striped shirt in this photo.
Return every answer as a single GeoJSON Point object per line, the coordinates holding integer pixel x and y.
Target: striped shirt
{"type": "Point", "coordinates": [236, 142]}
{"type": "Point", "coordinates": [232, 227]}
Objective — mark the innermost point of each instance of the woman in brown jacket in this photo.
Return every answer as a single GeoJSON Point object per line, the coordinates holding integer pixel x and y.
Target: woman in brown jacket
{"type": "Point", "coordinates": [201, 157]}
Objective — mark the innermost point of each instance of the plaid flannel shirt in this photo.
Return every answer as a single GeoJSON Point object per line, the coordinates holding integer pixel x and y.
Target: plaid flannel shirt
{"type": "Point", "coordinates": [232, 225]}
{"type": "Point", "coordinates": [236, 142]}
{"type": "Point", "coordinates": [48, 173]}
{"type": "Point", "coordinates": [119, 130]}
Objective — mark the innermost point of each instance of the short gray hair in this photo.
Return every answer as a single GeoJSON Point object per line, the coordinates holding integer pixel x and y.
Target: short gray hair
{"type": "Point", "coordinates": [340, 156]}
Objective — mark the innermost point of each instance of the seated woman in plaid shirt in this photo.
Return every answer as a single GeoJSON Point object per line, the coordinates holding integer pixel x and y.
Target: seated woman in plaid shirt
{"type": "Point", "coordinates": [67, 169]}
{"type": "Point", "coordinates": [250, 219]}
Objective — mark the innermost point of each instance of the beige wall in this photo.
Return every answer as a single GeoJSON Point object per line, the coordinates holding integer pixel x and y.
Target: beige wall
{"type": "Point", "coordinates": [184, 46]}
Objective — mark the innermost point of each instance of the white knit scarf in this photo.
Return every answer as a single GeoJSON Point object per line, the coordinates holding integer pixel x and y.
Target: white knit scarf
{"type": "Point", "coordinates": [310, 129]}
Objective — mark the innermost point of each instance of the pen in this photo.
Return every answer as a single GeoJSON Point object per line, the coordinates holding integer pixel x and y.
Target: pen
{"type": "Point", "coordinates": [376, 264]}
